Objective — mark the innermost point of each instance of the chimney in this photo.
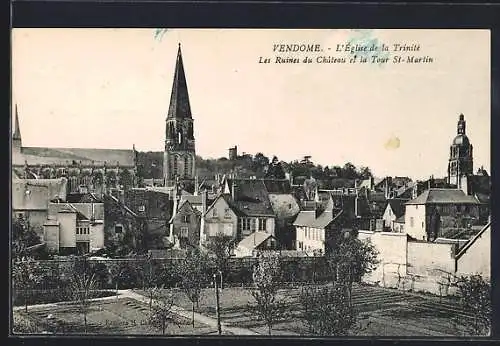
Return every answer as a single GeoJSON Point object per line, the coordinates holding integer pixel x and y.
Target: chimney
{"type": "Point", "coordinates": [233, 189]}
{"type": "Point", "coordinates": [196, 186]}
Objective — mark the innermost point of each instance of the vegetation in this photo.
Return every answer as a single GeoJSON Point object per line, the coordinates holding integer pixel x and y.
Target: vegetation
{"type": "Point", "coordinates": [326, 310]}
{"type": "Point", "coordinates": [221, 247]}
{"type": "Point", "coordinates": [194, 273]}
{"type": "Point", "coordinates": [266, 278]}
{"type": "Point", "coordinates": [349, 259]}
{"type": "Point", "coordinates": [26, 274]}
{"type": "Point", "coordinates": [83, 286]}
{"type": "Point", "coordinates": [161, 311]}
{"type": "Point", "coordinates": [23, 236]}
{"type": "Point", "coordinates": [475, 294]}
{"type": "Point", "coordinates": [150, 166]}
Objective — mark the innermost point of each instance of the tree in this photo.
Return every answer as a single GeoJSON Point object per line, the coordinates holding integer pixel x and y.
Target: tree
{"type": "Point", "coordinates": [364, 172]}
{"type": "Point", "coordinates": [221, 247]}
{"type": "Point", "coordinates": [149, 277]}
{"type": "Point", "coordinates": [161, 311]}
{"type": "Point", "coordinates": [326, 310]}
{"type": "Point", "coordinates": [83, 286]}
{"type": "Point", "coordinates": [349, 259]}
{"type": "Point", "coordinates": [23, 236]}
{"type": "Point", "coordinates": [275, 170]}
{"type": "Point", "coordinates": [26, 274]}
{"type": "Point", "coordinates": [475, 294]}
{"type": "Point", "coordinates": [266, 279]}
{"type": "Point", "coordinates": [349, 171]}
{"type": "Point", "coordinates": [126, 179]}
{"type": "Point", "coordinates": [194, 273]}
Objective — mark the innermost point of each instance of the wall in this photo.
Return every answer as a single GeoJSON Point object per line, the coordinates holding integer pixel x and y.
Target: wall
{"type": "Point", "coordinates": [476, 259]}
{"type": "Point", "coordinates": [67, 227]}
{"type": "Point", "coordinates": [96, 236]}
{"type": "Point", "coordinates": [392, 256]}
{"type": "Point", "coordinates": [36, 219]}
{"type": "Point", "coordinates": [398, 227]}
{"type": "Point", "coordinates": [51, 237]}
{"type": "Point", "coordinates": [311, 239]}
{"type": "Point", "coordinates": [417, 230]}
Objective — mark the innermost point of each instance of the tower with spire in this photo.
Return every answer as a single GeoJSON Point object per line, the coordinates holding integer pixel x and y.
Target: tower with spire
{"type": "Point", "coordinates": [179, 159]}
{"type": "Point", "coordinates": [460, 164]}
{"type": "Point", "coordinates": [16, 136]}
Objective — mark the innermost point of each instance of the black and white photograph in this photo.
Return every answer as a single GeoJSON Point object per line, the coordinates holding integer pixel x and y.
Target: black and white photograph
{"type": "Point", "coordinates": [250, 182]}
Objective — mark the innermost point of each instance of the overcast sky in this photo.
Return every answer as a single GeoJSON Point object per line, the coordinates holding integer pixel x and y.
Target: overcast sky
{"type": "Point", "coordinates": [110, 88]}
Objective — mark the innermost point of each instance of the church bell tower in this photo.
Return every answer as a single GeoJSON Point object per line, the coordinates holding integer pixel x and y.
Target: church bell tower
{"type": "Point", "coordinates": [460, 165]}
{"type": "Point", "coordinates": [179, 160]}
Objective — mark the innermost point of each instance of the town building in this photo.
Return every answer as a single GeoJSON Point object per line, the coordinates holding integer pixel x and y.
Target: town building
{"type": "Point", "coordinates": [439, 212]}
{"type": "Point", "coordinates": [395, 209]}
{"type": "Point", "coordinates": [86, 169]}
{"type": "Point", "coordinates": [460, 164]}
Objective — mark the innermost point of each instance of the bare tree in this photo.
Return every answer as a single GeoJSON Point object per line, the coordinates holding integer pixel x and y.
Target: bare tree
{"type": "Point", "coordinates": [326, 310]}
{"type": "Point", "coordinates": [26, 273]}
{"type": "Point", "coordinates": [161, 313]}
{"type": "Point", "coordinates": [350, 259]}
{"type": "Point", "coordinates": [83, 286]}
{"type": "Point", "coordinates": [194, 273]}
{"type": "Point", "coordinates": [221, 247]}
{"type": "Point", "coordinates": [266, 279]}
{"type": "Point", "coordinates": [149, 279]}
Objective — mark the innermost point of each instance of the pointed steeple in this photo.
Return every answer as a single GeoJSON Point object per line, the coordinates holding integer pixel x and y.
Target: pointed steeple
{"type": "Point", "coordinates": [179, 99]}
{"type": "Point", "coordinates": [17, 130]}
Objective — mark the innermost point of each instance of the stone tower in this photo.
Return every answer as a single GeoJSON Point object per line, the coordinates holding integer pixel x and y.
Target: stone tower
{"type": "Point", "coordinates": [460, 165]}
{"type": "Point", "coordinates": [16, 136]}
{"type": "Point", "coordinates": [179, 159]}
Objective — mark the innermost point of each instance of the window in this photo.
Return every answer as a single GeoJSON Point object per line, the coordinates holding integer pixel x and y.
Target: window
{"type": "Point", "coordinates": [118, 229]}
{"type": "Point", "coordinates": [184, 232]}
{"type": "Point", "coordinates": [411, 221]}
{"type": "Point", "coordinates": [301, 245]}
{"type": "Point", "coordinates": [262, 224]}
{"type": "Point", "coordinates": [290, 206]}
{"type": "Point", "coordinates": [185, 218]}
{"type": "Point", "coordinates": [416, 206]}
{"type": "Point", "coordinates": [245, 224]}
{"type": "Point", "coordinates": [422, 224]}
{"type": "Point", "coordinates": [215, 212]}
{"type": "Point", "coordinates": [227, 213]}
{"type": "Point", "coordinates": [142, 208]}
{"type": "Point", "coordinates": [305, 231]}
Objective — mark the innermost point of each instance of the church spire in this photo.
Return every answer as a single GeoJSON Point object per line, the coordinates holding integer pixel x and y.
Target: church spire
{"type": "Point", "coordinates": [179, 99]}
{"type": "Point", "coordinates": [461, 125]}
{"type": "Point", "coordinates": [17, 130]}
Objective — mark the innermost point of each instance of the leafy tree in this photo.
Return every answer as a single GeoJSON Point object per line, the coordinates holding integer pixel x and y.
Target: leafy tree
{"type": "Point", "coordinates": [161, 313]}
{"type": "Point", "coordinates": [349, 171]}
{"type": "Point", "coordinates": [221, 247]}
{"type": "Point", "coordinates": [194, 273]}
{"type": "Point", "coordinates": [364, 172]}
{"type": "Point", "coordinates": [23, 236]}
{"type": "Point", "coordinates": [275, 170]}
{"type": "Point", "coordinates": [266, 279]}
{"type": "Point", "coordinates": [326, 310]}
{"type": "Point", "coordinates": [83, 286]}
{"type": "Point", "coordinates": [475, 294]}
{"type": "Point", "coordinates": [126, 179]}
{"type": "Point", "coordinates": [149, 278]}
{"type": "Point", "coordinates": [349, 259]}
{"type": "Point", "coordinates": [26, 274]}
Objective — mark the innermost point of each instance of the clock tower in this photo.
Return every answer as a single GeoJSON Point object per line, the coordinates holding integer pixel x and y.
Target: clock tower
{"type": "Point", "coordinates": [179, 159]}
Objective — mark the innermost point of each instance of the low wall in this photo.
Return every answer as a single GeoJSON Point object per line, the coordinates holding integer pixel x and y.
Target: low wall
{"type": "Point", "coordinates": [411, 265]}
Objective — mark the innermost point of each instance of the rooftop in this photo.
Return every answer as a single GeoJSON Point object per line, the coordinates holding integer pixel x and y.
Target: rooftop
{"type": "Point", "coordinates": [443, 196]}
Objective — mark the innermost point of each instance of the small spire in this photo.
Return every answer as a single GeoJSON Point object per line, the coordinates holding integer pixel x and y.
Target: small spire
{"type": "Point", "coordinates": [17, 130]}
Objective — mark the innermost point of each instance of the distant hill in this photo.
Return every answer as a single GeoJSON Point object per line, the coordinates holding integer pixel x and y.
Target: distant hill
{"type": "Point", "coordinates": [150, 165]}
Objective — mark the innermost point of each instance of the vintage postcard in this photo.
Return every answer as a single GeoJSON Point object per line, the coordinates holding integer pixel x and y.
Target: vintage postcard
{"type": "Point", "coordinates": [250, 182]}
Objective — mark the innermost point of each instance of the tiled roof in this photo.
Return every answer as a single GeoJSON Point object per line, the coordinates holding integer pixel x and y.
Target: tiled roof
{"type": "Point", "coordinates": [277, 186]}
{"type": "Point", "coordinates": [65, 156]}
{"type": "Point", "coordinates": [251, 197]}
{"type": "Point", "coordinates": [400, 219]}
{"type": "Point", "coordinates": [443, 196]}
{"type": "Point", "coordinates": [253, 240]}
{"type": "Point", "coordinates": [309, 219]}
{"type": "Point", "coordinates": [397, 206]}
{"type": "Point", "coordinates": [194, 200]}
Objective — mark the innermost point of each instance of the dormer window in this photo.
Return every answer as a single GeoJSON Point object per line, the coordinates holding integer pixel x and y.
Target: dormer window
{"type": "Point", "coordinates": [142, 208]}
{"type": "Point", "coordinates": [185, 218]}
